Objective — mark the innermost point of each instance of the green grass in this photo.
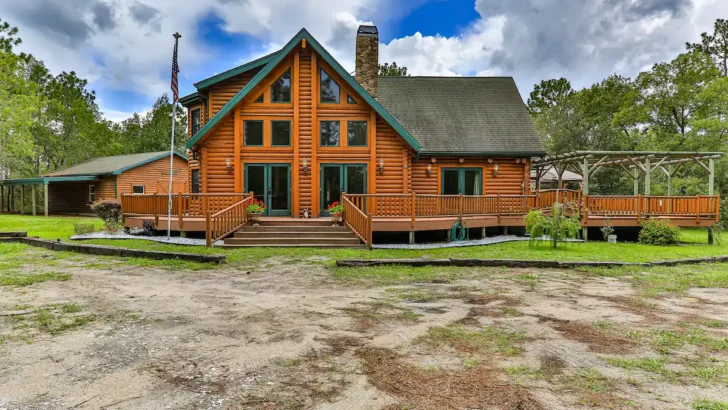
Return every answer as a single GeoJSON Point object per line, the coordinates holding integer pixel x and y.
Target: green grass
{"type": "Point", "coordinates": [655, 281]}
{"type": "Point", "coordinates": [27, 279]}
{"type": "Point", "coordinates": [704, 404]}
{"type": "Point", "coordinates": [52, 227]}
{"type": "Point", "coordinates": [487, 338]}
{"type": "Point", "coordinates": [646, 364]}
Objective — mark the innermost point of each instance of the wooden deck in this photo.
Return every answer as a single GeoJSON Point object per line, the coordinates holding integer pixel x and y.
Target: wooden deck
{"type": "Point", "coordinates": [221, 214]}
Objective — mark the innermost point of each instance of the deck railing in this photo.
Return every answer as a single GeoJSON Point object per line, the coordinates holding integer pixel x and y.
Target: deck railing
{"type": "Point", "coordinates": [546, 198]}
{"type": "Point", "coordinates": [193, 205]}
{"type": "Point", "coordinates": [357, 221]}
{"type": "Point", "coordinates": [227, 221]}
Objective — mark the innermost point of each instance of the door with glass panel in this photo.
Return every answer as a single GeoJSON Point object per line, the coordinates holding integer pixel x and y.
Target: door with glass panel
{"type": "Point", "coordinates": [271, 184]}
{"type": "Point", "coordinates": [338, 178]}
{"type": "Point", "coordinates": [466, 181]}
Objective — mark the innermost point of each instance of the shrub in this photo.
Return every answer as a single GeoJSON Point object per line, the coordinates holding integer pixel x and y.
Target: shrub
{"type": "Point", "coordinates": [608, 228]}
{"type": "Point", "coordinates": [659, 232]}
{"type": "Point", "coordinates": [148, 228]}
{"type": "Point", "coordinates": [82, 228]}
{"type": "Point", "coordinates": [556, 225]}
{"type": "Point", "coordinates": [109, 210]}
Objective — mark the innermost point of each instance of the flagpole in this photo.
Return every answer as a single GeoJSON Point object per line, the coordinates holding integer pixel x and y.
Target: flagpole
{"type": "Point", "coordinates": [171, 148]}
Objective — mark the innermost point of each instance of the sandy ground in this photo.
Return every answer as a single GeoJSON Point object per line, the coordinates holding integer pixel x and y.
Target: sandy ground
{"type": "Point", "coordinates": [288, 335]}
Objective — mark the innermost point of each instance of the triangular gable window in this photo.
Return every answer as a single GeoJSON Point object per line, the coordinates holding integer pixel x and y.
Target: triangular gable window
{"type": "Point", "coordinates": [350, 100]}
{"type": "Point", "coordinates": [259, 100]}
{"type": "Point", "coordinates": [330, 91]}
{"type": "Point", "coordinates": [280, 91]}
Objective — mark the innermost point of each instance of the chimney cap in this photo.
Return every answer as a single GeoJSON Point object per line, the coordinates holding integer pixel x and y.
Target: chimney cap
{"type": "Point", "coordinates": [367, 31]}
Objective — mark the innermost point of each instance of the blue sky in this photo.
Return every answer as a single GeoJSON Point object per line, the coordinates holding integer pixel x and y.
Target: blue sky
{"type": "Point", "coordinates": [123, 47]}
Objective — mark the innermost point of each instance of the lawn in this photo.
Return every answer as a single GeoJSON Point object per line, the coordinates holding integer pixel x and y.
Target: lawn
{"type": "Point", "coordinates": [694, 245]}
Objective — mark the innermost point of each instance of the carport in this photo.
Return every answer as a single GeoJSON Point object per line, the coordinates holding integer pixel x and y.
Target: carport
{"type": "Point", "coordinates": [9, 187]}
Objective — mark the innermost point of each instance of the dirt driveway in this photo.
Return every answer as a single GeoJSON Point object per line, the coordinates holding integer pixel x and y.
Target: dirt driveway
{"type": "Point", "coordinates": [104, 334]}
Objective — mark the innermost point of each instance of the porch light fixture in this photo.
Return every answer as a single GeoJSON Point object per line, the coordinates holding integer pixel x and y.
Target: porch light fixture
{"type": "Point", "coordinates": [381, 164]}
{"type": "Point", "coordinates": [429, 169]}
{"type": "Point", "coordinates": [495, 170]}
{"type": "Point", "coordinates": [229, 165]}
{"type": "Point", "coordinates": [304, 163]}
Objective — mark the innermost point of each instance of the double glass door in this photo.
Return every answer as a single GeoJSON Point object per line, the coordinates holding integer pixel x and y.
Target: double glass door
{"type": "Point", "coordinates": [338, 178]}
{"type": "Point", "coordinates": [271, 184]}
{"type": "Point", "coordinates": [466, 181]}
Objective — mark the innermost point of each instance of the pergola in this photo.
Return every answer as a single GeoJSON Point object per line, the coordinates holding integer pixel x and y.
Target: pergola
{"type": "Point", "coordinates": [637, 164]}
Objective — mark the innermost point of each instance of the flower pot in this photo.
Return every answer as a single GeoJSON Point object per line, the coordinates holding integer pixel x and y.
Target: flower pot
{"type": "Point", "coordinates": [612, 238]}
{"type": "Point", "coordinates": [335, 219]}
{"type": "Point", "coordinates": [254, 219]}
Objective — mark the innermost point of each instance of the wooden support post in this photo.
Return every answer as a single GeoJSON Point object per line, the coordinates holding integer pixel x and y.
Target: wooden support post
{"type": "Point", "coordinates": [648, 171]}
{"type": "Point", "coordinates": [710, 235]}
{"type": "Point", "coordinates": [585, 170]}
{"type": "Point", "coordinates": [179, 211]}
{"type": "Point", "coordinates": [585, 233]}
{"type": "Point", "coordinates": [2, 198]}
{"type": "Point", "coordinates": [697, 209]}
{"type": "Point", "coordinates": [45, 198]}
{"type": "Point", "coordinates": [32, 191]}
{"type": "Point", "coordinates": [639, 208]}
{"type": "Point", "coordinates": [22, 200]}
{"type": "Point", "coordinates": [414, 218]}
{"type": "Point", "coordinates": [370, 234]}
{"type": "Point", "coordinates": [711, 176]}
{"type": "Point", "coordinates": [208, 230]}
{"type": "Point", "coordinates": [636, 177]}
{"type": "Point", "coordinates": [505, 230]}
{"type": "Point", "coordinates": [482, 232]}
{"type": "Point", "coordinates": [669, 180]}
{"type": "Point", "coordinates": [411, 237]}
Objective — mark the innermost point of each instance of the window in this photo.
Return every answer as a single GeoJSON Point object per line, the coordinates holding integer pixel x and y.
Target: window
{"type": "Point", "coordinates": [195, 181]}
{"type": "Point", "coordinates": [280, 91]}
{"type": "Point", "coordinates": [137, 189]}
{"type": "Point", "coordinates": [91, 193]}
{"type": "Point", "coordinates": [356, 133]}
{"type": "Point", "coordinates": [195, 121]}
{"type": "Point", "coordinates": [350, 100]}
{"type": "Point", "coordinates": [280, 133]}
{"type": "Point", "coordinates": [330, 91]}
{"type": "Point", "coordinates": [259, 99]}
{"type": "Point", "coordinates": [253, 133]}
{"type": "Point", "coordinates": [330, 133]}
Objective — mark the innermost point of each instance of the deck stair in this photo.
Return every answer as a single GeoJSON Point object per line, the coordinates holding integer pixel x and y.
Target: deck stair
{"type": "Point", "coordinates": [289, 232]}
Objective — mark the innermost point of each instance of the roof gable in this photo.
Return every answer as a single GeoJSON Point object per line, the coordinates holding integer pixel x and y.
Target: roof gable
{"type": "Point", "coordinates": [111, 165]}
{"type": "Point", "coordinates": [275, 60]}
{"type": "Point", "coordinates": [260, 62]}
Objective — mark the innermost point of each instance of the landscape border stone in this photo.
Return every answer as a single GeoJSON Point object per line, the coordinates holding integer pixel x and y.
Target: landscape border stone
{"type": "Point", "coordinates": [13, 234]}
{"type": "Point", "coordinates": [104, 250]}
{"type": "Point", "coordinates": [518, 263]}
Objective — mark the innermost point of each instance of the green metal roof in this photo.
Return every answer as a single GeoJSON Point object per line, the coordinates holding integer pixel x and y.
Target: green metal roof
{"type": "Point", "coordinates": [46, 180]}
{"type": "Point", "coordinates": [188, 99]}
{"type": "Point", "coordinates": [275, 60]}
{"type": "Point", "coordinates": [260, 62]}
{"type": "Point", "coordinates": [111, 165]}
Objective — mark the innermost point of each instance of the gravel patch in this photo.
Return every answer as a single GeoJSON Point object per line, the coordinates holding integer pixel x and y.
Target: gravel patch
{"type": "Point", "coordinates": [491, 240]}
{"type": "Point", "coordinates": [175, 240]}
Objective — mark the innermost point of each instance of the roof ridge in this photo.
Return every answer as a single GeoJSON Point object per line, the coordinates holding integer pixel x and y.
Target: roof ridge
{"type": "Point", "coordinates": [446, 77]}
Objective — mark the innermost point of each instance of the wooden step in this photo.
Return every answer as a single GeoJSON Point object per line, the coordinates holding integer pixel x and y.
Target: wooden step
{"type": "Point", "coordinates": [310, 245]}
{"type": "Point", "coordinates": [296, 222]}
{"type": "Point", "coordinates": [288, 228]}
{"type": "Point", "coordinates": [291, 240]}
{"type": "Point", "coordinates": [294, 234]}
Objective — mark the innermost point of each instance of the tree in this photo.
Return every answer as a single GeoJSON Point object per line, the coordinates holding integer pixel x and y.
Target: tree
{"type": "Point", "coordinates": [392, 70]}
{"type": "Point", "coordinates": [548, 94]}
{"type": "Point", "coordinates": [152, 131]}
{"type": "Point", "coordinates": [557, 225]}
{"type": "Point", "coordinates": [715, 45]}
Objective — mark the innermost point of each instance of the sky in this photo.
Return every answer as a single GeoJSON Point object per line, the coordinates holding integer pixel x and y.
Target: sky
{"type": "Point", "coordinates": [124, 47]}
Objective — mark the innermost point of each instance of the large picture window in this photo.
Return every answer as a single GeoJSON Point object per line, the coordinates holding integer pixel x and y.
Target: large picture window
{"type": "Point", "coordinates": [280, 133]}
{"type": "Point", "coordinates": [330, 133]}
{"type": "Point", "coordinates": [280, 91]}
{"type": "Point", "coordinates": [195, 121]}
{"type": "Point", "coordinates": [253, 133]}
{"type": "Point", "coordinates": [356, 133]}
{"type": "Point", "coordinates": [330, 91]}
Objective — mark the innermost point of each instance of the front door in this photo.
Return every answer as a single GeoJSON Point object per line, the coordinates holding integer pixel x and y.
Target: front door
{"type": "Point", "coordinates": [338, 178]}
{"type": "Point", "coordinates": [271, 184]}
{"type": "Point", "coordinates": [466, 181]}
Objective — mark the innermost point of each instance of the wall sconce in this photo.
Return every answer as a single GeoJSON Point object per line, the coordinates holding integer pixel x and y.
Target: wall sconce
{"type": "Point", "coordinates": [429, 169]}
{"type": "Point", "coordinates": [229, 165]}
{"type": "Point", "coordinates": [495, 170]}
{"type": "Point", "coordinates": [381, 164]}
{"type": "Point", "coordinates": [462, 160]}
{"type": "Point", "coordinates": [304, 165]}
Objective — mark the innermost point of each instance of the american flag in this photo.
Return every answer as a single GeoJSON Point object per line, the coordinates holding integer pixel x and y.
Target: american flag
{"type": "Point", "coordinates": [175, 70]}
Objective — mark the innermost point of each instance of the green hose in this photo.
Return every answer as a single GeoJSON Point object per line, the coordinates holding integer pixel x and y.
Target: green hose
{"type": "Point", "coordinates": [457, 233]}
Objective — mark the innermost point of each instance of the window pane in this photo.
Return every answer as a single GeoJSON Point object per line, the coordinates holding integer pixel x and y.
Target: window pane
{"type": "Point", "coordinates": [350, 100]}
{"type": "Point", "coordinates": [259, 99]}
{"type": "Point", "coordinates": [357, 133]}
{"type": "Point", "coordinates": [279, 187]}
{"type": "Point", "coordinates": [253, 132]}
{"type": "Point", "coordinates": [281, 133]}
{"type": "Point", "coordinates": [281, 89]}
{"type": "Point", "coordinates": [450, 182]}
{"type": "Point", "coordinates": [138, 189]}
{"type": "Point", "coordinates": [356, 179]}
{"type": "Point", "coordinates": [195, 181]}
{"type": "Point", "coordinates": [330, 92]}
{"type": "Point", "coordinates": [332, 185]}
{"type": "Point", "coordinates": [195, 121]}
{"type": "Point", "coordinates": [255, 182]}
{"type": "Point", "coordinates": [472, 182]}
{"type": "Point", "coordinates": [330, 133]}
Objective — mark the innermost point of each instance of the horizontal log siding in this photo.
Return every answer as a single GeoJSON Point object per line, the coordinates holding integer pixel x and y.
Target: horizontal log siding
{"type": "Point", "coordinates": [221, 93]}
{"type": "Point", "coordinates": [105, 188]}
{"type": "Point", "coordinates": [69, 198]}
{"type": "Point", "coordinates": [508, 181]}
{"type": "Point", "coordinates": [218, 148]}
{"type": "Point", "coordinates": [390, 147]}
{"type": "Point", "coordinates": [152, 174]}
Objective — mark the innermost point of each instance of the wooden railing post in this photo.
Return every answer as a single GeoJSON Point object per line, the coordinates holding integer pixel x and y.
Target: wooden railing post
{"type": "Point", "coordinates": [639, 208]}
{"type": "Point", "coordinates": [179, 210]}
{"type": "Point", "coordinates": [717, 208]}
{"type": "Point", "coordinates": [208, 230]}
{"type": "Point", "coordinates": [369, 234]}
{"type": "Point", "coordinates": [697, 209]}
{"type": "Point", "coordinates": [413, 210]}
{"type": "Point", "coordinates": [156, 211]}
{"type": "Point", "coordinates": [460, 208]}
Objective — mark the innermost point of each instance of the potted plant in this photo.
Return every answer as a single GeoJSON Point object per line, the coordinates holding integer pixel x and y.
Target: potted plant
{"type": "Point", "coordinates": [255, 210]}
{"type": "Point", "coordinates": [335, 210]}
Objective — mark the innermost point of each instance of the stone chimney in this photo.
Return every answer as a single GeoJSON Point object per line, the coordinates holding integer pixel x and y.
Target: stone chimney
{"type": "Point", "coordinates": [367, 58]}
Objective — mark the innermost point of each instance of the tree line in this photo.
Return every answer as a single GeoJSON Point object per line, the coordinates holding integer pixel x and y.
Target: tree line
{"type": "Point", "coordinates": [48, 122]}
{"type": "Point", "coordinates": [681, 105]}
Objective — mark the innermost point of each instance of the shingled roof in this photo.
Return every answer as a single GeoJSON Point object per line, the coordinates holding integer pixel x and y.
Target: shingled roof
{"type": "Point", "coordinates": [462, 115]}
{"type": "Point", "coordinates": [111, 165]}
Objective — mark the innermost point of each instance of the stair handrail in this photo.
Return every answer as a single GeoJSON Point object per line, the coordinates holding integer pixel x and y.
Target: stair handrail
{"type": "Point", "coordinates": [356, 220]}
{"type": "Point", "coordinates": [227, 221]}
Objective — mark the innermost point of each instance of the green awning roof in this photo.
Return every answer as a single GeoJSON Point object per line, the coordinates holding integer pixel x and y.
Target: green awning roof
{"type": "Point", "coordinates": [47, 180]}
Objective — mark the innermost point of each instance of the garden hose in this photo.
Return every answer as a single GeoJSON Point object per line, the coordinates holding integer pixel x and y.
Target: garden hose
{"type": "Point", "coordinates": [457, 233]}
